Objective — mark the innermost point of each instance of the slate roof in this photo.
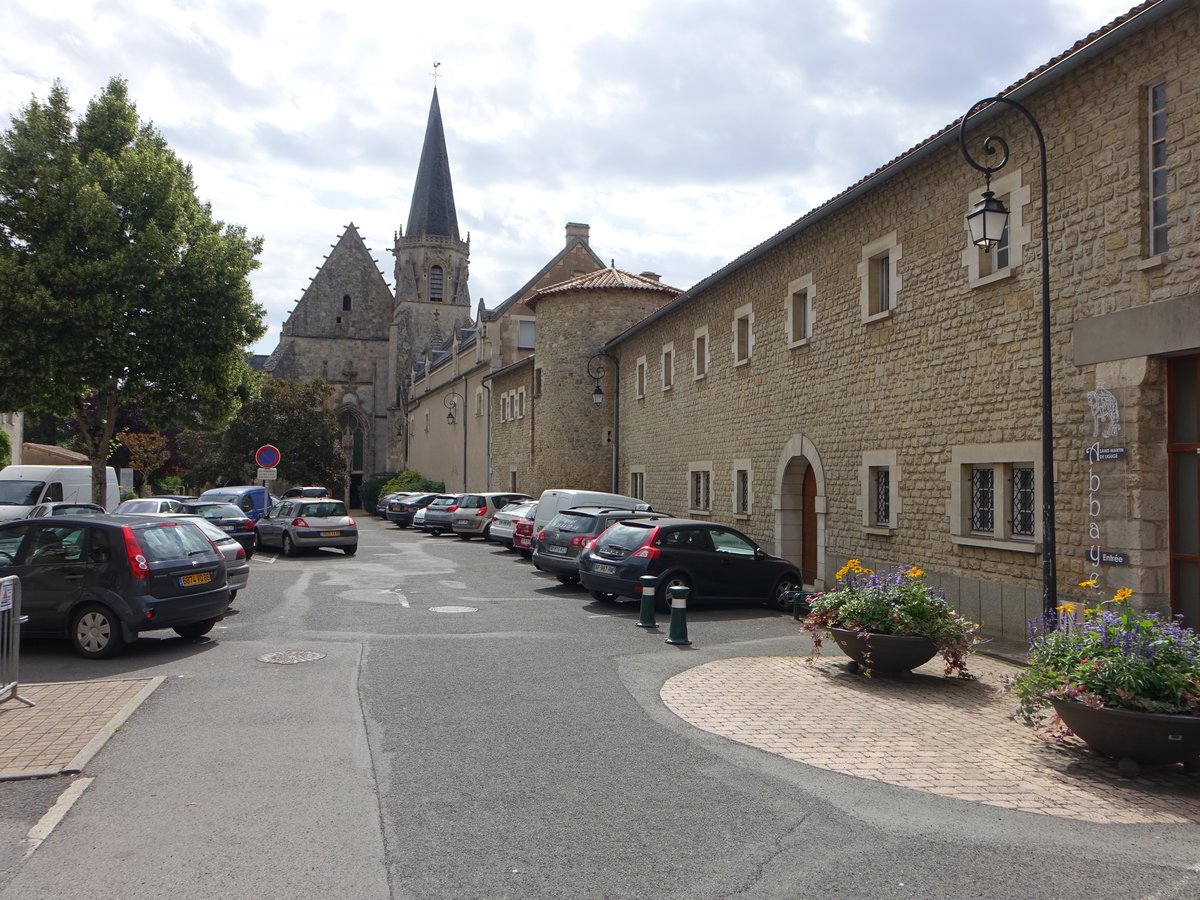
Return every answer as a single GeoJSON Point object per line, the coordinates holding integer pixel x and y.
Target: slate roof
{"type": "Point", "coordinates": [432, 211]}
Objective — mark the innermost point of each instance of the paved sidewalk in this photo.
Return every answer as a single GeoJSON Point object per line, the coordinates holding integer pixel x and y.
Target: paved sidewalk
{"type": "Point", "coordinates": [942, 735]}
{"type": "Point", "coordinates": [70, 723]}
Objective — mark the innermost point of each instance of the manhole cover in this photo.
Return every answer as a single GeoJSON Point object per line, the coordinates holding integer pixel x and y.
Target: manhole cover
{"type": "Point", "coordinates": [290, 657]}
{"type": "Point", "coordinates": [453, 609]}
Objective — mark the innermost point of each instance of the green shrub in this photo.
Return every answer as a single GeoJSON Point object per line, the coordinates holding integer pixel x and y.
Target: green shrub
{"type": "Point", "coordinates": [370, 490]}
{"type": "Point", "coordinates": [5, 449]}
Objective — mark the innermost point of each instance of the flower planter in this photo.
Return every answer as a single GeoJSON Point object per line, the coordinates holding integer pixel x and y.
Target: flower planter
{"type": "Point", "coordinates": [890, 653]}
{"type": "Point", "coordinates": [1134, 738]}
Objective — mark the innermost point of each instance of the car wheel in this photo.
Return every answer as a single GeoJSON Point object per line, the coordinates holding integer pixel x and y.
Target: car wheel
{"type": "Point", "coordinates": [289, 548]}
{"type": "Point", "coordinates": [662, 600]}
{"type": "Point", "coordinates": [232, 597]}
{"type": "Point", "coordinates": [401, 524]}
{"type": "Point", "coordinates": [567, 579]}
{"type": "Point", "coordinates": [195, 629]}
{"type": "Point", "coordinates": [96, 632]}
{"type": "Point", "coordinates": [779, 595]}
{"type": "Point", "coordinates": [487, 532]}
{"type": "Point", "coordinates": [436, 532]}
{"type": "Point", "coordinates": [526, 554]}
{"type": "Point", "coordinates": [258, 541]}
{"type": "Point", "coordinates": [603, 596]}
{"type": "Point", "coordinates": [350, 551]}
{"type": "Point", "coordinates": [464, 537]}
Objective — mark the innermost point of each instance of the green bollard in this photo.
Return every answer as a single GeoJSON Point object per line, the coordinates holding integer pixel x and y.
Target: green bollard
{"type": "Point", "coordinates": [649, 588]}
{"type": "Point", "coordinates": [679, 597]}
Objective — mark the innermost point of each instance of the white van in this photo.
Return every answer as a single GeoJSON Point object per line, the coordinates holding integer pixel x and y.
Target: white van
{"type": "Point", "coordinates": [24, 487]}
{"type": "Point", "coordinates": [552, 501]}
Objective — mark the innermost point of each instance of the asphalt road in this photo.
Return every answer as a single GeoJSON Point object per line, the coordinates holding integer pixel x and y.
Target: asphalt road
{"type": "Point", "coordinates": [474, 729]}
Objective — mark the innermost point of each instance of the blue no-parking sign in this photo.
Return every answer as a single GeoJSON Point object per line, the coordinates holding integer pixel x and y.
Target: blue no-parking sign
{"type": "Point", "coordinates": [267, 456]}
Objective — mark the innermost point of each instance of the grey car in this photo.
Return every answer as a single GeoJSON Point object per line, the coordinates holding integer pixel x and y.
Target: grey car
{"type": "Point", "coordinates": [475, 511]}
{"type": "Point", "coordinates": [237, 563]}
{"type": "Point", "coordinates": [302, 524]}
{"type": "Point", "coordinates": [439, 514]}
{"type": "Point", "coordinates": [557, 546]}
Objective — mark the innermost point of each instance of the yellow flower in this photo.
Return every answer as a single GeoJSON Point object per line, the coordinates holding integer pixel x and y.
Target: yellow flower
{"type": "Point", "coordinates": [915, 572]}
{"type": "Point", "coordinates": [1090, 583]}
{"type": "Point", "coordinates": [1122, 595]}
{"type": "Point", "coordinates": [1067, 608]}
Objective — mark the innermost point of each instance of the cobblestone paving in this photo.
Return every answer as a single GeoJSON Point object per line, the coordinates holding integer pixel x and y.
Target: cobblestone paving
{"type": "Point", "coordinates": [942, 735]}
{"type": "Point", "coordinates": [46, 739]}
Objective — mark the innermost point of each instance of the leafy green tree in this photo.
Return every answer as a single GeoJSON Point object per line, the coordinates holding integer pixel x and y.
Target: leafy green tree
{"type": "Point", "coordinates": [293, 417]}
{"type": "Point", "coordinates": [115, 280]}
{"type": "Point", "coordinates": [5, 449]}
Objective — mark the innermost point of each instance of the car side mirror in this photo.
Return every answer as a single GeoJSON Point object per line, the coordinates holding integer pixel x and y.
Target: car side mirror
{"type": "Point", "coordinates": [760, 553]}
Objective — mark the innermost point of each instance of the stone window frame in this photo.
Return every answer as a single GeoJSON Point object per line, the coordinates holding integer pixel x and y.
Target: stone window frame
{"type": "Point", "coordinates": [639, 378]}
{"type": "Point", "coordinates": [537, 382]}
{"type": "Point", "coordinates": [874, 462]}
{"type": "Point", "coordinates": [744, 313]}
{"type": "Point", "coordinates": [800, 286]}
{"type": "Point", "coordinates": [1003, 458]}
{"type": "Point", "coordinates": [637, 482]}
{"type": "Point", "coordinates": [885, 250]}
{"type": "Point", "coordinates": [520, 398]}
{"type": "Point", "coordinates": [981, 267]}
{"type": "Point", "coordinates": [743, 496]}
{"type": "Point", "coordinates": [700, 353]}
{"type": "Point", "coordinates": [667, 369]}
{"type": "Point", "coordinates": [504, 407]}
{"type": "Point", "coordinates": [699, 487]}
{"type": "Point", "coordinates": [519, 322]}
{"type": "Point", "coordinates": [1157, 216]}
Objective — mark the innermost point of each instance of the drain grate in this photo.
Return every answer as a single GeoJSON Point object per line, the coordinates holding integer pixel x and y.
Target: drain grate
{"type": "Point", "coordinates": [453, 609]}
{"type": "Point", "coordinates": [290, 657]}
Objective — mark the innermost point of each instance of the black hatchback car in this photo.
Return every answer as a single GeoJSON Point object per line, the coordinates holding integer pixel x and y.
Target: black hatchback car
{"type": "Point", "coordinates": [556, 547]}
{"type": "Point", "coordinates": [100, 580]}
{"type": "Point", "coordinates": [715, 561]}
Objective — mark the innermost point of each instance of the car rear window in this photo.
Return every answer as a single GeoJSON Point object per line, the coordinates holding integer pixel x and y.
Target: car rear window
{"type": "Point", "coordinates": [443, 501]}
{"type": "Point", "coordinates": [572, 523]}
{"type": "Point", "coordinates": [323, 510]}
{"type": "Point", "coordinates": [214, 510]}
{"type": "Point", "coordinates": [626, 535]}
{"type": "Point", "coordinates": [171, 541]}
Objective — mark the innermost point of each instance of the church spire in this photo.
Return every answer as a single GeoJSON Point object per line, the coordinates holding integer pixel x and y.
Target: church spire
{"type": "Point", "coordinates": [432, 211]}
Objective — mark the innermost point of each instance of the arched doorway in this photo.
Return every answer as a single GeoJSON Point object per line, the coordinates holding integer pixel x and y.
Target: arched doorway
{"type": "Point", "coordinates": [800, 511]}
{"type": "Point", "coordinates": [354, 440]}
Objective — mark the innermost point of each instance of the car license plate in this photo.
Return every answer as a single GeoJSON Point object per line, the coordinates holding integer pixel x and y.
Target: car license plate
{"type": "Point", "coordinates": [195, 578]}
{"type": "Point", "coordinates": [331, 534]}
{"type": "Point", "coordinates": [602, 569]}
{"type": "Point", "coordinates": [462, 523]}
{"type": "Point", "coordinates": [557, 549]}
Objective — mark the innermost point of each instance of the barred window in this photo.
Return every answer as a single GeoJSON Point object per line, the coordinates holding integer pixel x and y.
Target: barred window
{"type": "Point", "coordinates": [882, 483]}
{"type": "Point", "coordinates": [435, 283]}
{"type": "Point", "coordinates": [1023, 501]}
{"type": "Point", "coordinates": [701, 496]}
{"type": "Point", "coordinates": [983, 510]}
{"type": "Point", "coordinates": [743, 492]}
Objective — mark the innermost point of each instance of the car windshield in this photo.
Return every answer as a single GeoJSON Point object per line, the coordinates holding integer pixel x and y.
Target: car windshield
{"type": "Point", "coordinates": [74, 510]}
{"type": "Point", "coordinates": [171, 541]}
{"type": "Point", "coordinates": [214, 510]}
{"type": "Point", "coordinates": [20, 493]}
{"type": "Point", "coordinates": [572, 523]}
{"type": "Point", "coordinates": [323, 510]}
{"type": "Point", "coordinates": [626, 535]}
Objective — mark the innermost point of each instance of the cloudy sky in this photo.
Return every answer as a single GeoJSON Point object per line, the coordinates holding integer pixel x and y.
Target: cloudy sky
{"type": "Point", "coordinates": [683, 131]}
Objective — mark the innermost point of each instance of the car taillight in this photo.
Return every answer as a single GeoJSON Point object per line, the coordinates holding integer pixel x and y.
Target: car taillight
{"type": "Point", "coordinates": [591, 545]}
{"type": "Point", "coordinates": [451, 509]}
{"type": "Point", "coordinates": [241, 552]}
{"type": "Point", "coordinates": [646, 553]}
{"type": "Point", "coordinates": [245, 525]}
{"type": "Point", "coordinates": [137, 559]}
{"type": "Point", "coordinates": [299, 523]}
{"type": "Point", "coordinates": [482, 512]}
{"type": "Point", "coordinates": [351, 522]}
{"type": "Point", "coordinates": [579, 540]}
{"type": "Point", "coordinates": [542, 535]}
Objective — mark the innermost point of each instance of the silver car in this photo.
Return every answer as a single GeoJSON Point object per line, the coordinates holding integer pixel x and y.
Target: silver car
{"type": "Point", "coordinates": [300, 524]}
{"type": "Point", "coordinates": [237, 566]}
{"type": "Point", "coordinates": [504, 522]}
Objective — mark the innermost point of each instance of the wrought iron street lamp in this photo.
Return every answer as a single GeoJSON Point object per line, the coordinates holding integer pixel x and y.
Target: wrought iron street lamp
{"type": "Point", "coordinates": [987, 224]}
{"type": "Point", "coordinates": [596, 370]}
{"type": "Point", "coordinates": [451, 401]}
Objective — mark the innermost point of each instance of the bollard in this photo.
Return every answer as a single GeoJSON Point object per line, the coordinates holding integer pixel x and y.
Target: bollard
{"type": "Point", "coordinates": [679, 596]}
{"type": "Point", "coordinates": [649, 588]}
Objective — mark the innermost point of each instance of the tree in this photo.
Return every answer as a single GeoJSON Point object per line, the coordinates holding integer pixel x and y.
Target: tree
{"type": "Point", "coordinates": [293, 417]}
{"type": "Point", "coordinates": [147, 453]}
{"type": "Point", "coordinates": [115, 280]}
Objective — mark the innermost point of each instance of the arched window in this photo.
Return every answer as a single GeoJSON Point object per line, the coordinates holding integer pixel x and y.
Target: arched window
{"type": "Point", "coordinates": [435, 283]}
{"type": "Point", "coordinates": [345, 301]}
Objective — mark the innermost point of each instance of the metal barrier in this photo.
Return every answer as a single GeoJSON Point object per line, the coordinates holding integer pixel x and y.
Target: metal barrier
{"type": "Point", "coordinates": [10, 638]}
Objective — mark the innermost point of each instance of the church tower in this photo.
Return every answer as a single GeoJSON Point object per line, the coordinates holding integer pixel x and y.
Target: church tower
{"type": "Point", "coordinates": [432, 296]}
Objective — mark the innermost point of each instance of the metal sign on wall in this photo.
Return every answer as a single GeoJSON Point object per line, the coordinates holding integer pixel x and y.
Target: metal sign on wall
{"type": "Point", "coordinates": [1108, 537]}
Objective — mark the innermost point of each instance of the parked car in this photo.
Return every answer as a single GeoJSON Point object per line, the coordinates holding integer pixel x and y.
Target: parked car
{"type": "Point", "coordinates": [439, 513]}
{"type": "Point", "coordinates": [146, 505]}
{"type": "Point", "coordinates": [252, 499]}
{"type": "Point", "coordinates": [303, 524]}
{"type": "Point", "coordinates": [22, 487]}
{"type": "Point", "coordinates": [402, 509]}
{"type": "Point", "coordinates": [64, 509]}
{"type": "Point", "coordinates": [522, 540]}
{"type": "Point", "coordinates": [474, 514]}
{"type": "Point", "coordinates": [505, 520]}
{"type": "Point", "coordinates": [314, 492]}
{"type": "Point", "coordinates": [418, 521]}
{"type": "Point", "coordinates": [552, 501]}
{"type": "Point", "coordinates": [556, 547]}
{"type": "Point", "coordinates": [237, 560]}
{"type": "Point", "coordinates": [101, 579]}
{"type": "Point", "coordinates": [382, 506]}
{"type": "Point", "coordinates": [717, 562]}
{"type": "Point", "coordinates": [227, 517]}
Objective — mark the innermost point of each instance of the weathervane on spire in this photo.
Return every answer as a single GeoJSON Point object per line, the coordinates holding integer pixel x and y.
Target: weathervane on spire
{"type": "Point", "coordinates": [435, 73]}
